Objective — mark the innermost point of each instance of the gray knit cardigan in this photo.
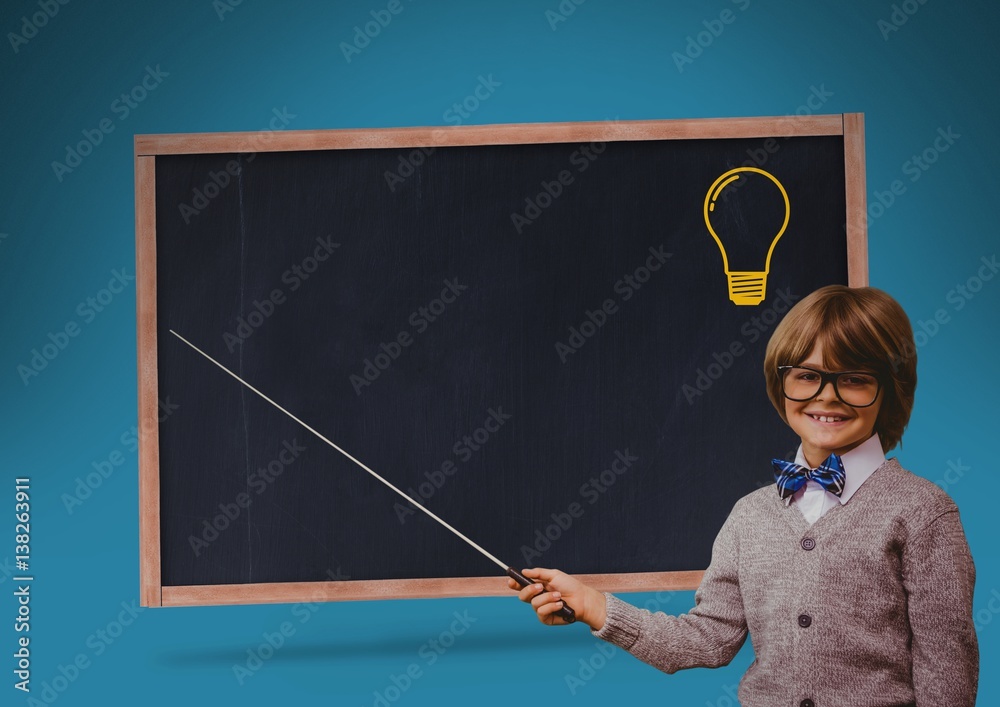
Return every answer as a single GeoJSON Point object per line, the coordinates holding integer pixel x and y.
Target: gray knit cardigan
{"type": "Point", "coordinates": [869, 606]}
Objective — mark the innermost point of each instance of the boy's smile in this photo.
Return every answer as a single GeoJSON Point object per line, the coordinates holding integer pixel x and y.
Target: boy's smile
{"type": "Point", "coordinates": [825, 424]}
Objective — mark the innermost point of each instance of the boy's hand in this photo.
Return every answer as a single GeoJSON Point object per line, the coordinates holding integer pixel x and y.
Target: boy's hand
{"type": "Point", "coordinates": [555, 587]}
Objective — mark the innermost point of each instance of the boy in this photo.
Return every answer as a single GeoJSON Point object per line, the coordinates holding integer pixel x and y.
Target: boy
{"type": "Point", "coordinates": [852, 575]}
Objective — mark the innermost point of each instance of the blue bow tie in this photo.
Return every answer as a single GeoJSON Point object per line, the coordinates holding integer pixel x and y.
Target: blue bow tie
{"type": "Point", "coordinates": [790, 477]}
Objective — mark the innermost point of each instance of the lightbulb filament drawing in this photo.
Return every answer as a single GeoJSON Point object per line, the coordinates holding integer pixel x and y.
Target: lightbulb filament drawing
{"type": "Point", "coordinates": [746, 287]}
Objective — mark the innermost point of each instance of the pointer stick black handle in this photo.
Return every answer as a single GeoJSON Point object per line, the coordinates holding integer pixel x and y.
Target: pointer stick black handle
{"type": "Point", "coordinates": [565, 612]}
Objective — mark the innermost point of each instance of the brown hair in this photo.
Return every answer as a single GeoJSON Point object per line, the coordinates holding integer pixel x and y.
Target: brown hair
{"type": "Point", "coordinates": [858, 328]}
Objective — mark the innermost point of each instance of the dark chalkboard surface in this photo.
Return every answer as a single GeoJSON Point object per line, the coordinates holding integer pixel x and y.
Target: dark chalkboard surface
{"type": "Point", "coordinates": [534, 339]}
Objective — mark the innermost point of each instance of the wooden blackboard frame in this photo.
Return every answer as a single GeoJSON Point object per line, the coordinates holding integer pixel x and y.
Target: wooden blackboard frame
{"type": "Point", "coordinates": [148, 147]}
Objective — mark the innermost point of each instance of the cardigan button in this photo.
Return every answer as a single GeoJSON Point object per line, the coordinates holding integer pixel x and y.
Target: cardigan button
{"type": "Point", "coordinates": [808, 543]}
{"type": "Point", "coordinates": [805, 620]}
{"type": "Point", "coordinates": [807, 703]}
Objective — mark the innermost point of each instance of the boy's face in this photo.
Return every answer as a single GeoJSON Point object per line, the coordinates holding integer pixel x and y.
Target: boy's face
{"type": "Point", "coordinates": [849, 427]}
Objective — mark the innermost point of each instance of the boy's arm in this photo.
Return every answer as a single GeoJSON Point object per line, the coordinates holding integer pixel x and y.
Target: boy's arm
{"type": "Point", "coordinates": [938, 575]}
{"type": "Point", "coordinates": [708, 636]}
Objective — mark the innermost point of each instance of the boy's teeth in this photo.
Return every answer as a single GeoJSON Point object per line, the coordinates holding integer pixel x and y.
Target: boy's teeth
{"type": "Point", "coordinates": [823, 418]}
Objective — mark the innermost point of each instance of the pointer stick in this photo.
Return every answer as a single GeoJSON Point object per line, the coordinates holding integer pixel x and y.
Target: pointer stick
{"type": "Point", "coordinates": [565, 612]}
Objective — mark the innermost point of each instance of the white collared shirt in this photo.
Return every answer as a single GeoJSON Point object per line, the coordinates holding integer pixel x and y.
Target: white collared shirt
{"type": "Point", "coordinates": [859, 463]}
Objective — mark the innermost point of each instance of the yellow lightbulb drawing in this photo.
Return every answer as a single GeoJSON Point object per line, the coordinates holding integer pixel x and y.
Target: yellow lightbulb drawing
{"type": "Point", "coordinates": [746, 287]}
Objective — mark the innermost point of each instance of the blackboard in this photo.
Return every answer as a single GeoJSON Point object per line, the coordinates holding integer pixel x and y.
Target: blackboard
{"type": "Point", "coordinates": [527, 328]}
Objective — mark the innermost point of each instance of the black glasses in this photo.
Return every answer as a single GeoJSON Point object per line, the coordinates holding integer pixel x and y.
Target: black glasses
{"type": "Point", "coordinates": [855, 388]}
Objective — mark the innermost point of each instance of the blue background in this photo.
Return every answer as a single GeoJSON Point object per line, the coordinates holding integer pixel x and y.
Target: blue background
{"type": "Point", "coordinates": [60, 240]}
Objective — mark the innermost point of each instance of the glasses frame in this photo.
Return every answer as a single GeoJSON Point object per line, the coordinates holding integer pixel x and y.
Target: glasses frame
{"type": "Point", "coordinates": [832, 377]}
